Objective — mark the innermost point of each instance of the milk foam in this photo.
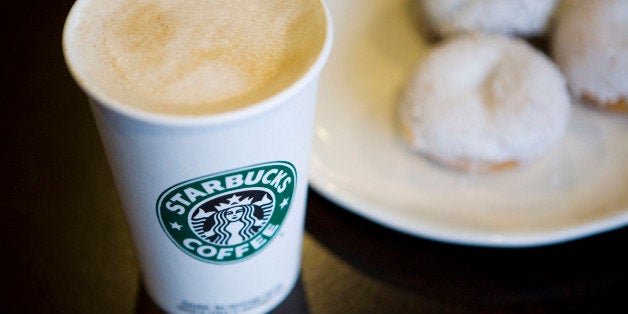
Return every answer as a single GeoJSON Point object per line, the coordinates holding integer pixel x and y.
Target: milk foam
{"type": "Point", "coordinates": [193, 56]}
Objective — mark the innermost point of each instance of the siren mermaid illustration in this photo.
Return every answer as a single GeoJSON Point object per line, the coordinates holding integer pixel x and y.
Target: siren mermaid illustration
{"type": "Point", "coordinates": [234, 221]}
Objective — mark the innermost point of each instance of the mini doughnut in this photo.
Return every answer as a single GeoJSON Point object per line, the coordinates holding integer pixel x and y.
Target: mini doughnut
{"type": "Point", "coordinates": [590, 45]}
{"type": "Point", "coordinates": [527, 18]}
{"type": "Point", "coordinates": [481, 103]}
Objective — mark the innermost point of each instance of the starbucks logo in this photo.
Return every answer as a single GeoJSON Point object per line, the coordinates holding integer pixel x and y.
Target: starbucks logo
{"type": "Point", "coordinates": [228, 216]}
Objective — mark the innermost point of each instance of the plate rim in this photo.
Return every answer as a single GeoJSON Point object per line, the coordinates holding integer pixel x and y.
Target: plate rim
{"type": "Point", "coordinates": [346, 201]}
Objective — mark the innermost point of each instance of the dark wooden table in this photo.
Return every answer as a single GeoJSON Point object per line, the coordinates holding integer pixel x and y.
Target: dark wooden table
{"type": "Point", "coordinates": [65, 248]}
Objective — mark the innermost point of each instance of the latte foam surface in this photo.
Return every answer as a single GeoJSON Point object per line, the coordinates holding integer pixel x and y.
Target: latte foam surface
{"type": "Point", "coordinates": [194, 57]}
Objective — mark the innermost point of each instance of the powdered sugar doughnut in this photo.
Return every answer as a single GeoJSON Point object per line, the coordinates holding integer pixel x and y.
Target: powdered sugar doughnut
{"type": "Point", "coordinates": [513, 17]}
{"type": "Point", "coordinates": [590, 45]}
{"type": "Point", "coordinates": [483, 102]}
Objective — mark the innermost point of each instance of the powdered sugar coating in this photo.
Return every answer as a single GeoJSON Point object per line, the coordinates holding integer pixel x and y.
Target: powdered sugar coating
{"type": "Point", "coordinates": [590, 44]}
{"type": "Point", "coordinates": [514, 17]}
{"type": "Point", "coordinates": [485, 98]}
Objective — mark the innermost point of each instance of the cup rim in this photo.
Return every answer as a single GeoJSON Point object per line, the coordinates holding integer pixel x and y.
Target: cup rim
{"type": "Point", "coordinates": [103, 99]}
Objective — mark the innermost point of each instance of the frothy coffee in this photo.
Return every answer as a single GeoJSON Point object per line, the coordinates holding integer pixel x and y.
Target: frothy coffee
{"type": "Point", "coordinates": [190, 57]}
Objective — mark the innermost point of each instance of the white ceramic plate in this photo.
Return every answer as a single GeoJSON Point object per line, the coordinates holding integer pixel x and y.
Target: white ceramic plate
{"type": "Point", "coordinates": [360, 162]}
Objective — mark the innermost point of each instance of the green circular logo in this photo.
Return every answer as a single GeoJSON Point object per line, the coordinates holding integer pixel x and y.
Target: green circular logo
{"type": "Point", "coordinates": [228, 216]}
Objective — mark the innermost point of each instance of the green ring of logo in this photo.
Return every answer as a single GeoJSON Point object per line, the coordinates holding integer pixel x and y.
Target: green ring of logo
{"type": "Point", "coordinates": [229, 216]}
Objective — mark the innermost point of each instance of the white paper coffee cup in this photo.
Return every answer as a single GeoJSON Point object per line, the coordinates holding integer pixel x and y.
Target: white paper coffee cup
{"type": "Point", "coordinates": [215, 203]}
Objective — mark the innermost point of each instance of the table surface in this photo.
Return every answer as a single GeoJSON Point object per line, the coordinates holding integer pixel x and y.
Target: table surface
{"type": "Point", "coordinates": [66, 248]}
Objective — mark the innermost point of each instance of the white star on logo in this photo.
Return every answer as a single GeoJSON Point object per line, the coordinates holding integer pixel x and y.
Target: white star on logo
{"type": "Point", "coordinates": [233, 199]}
{"type": "Point", "coordinates": [284, 203]}
{"type": "Point", "coordinates": [175, 225]}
